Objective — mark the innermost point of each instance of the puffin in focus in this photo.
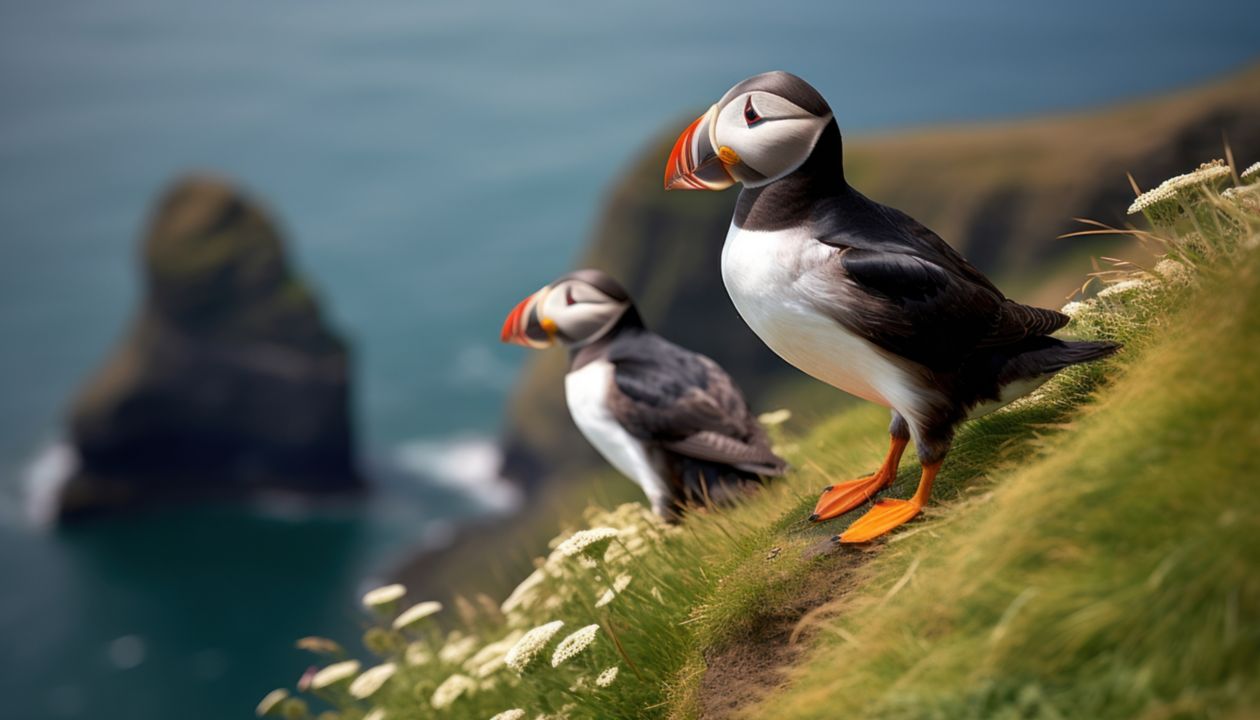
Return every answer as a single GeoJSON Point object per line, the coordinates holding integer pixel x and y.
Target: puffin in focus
{"type": "Point", "coordinates": [858, 294]}
{"type": "Point", "coordinates": [669, 419]}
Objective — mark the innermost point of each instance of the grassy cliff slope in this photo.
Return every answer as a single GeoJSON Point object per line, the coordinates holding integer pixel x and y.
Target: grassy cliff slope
{"type": "Point", "coordinates": [1091, 551]}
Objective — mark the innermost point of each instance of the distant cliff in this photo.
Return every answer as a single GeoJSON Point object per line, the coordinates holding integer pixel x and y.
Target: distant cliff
{"type": "Point", "coordinates": [999, 192]}
{"type": "Point", "coordinates": [228, 381]}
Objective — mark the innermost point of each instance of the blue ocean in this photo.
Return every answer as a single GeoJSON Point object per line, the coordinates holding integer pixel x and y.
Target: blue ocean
{"type": "Point", "coordinates": [430, 164]}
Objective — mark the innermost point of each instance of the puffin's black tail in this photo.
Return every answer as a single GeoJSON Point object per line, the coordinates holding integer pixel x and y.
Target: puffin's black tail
{"type": "Point", "coordinates": [1040, 356]}
{"type": "Point", "coordinates": [1074, 352]}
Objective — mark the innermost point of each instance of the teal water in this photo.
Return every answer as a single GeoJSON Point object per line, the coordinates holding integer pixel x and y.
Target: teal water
{"type": "Point", "coordinates": [431, 163]}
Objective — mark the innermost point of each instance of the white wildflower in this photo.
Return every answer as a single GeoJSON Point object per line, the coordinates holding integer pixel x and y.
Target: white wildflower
{"type": "Point", "coordinates": [523, 653]}
{"type": "Point", "coordinates": [416, 613]}
{"type": "Point", "coordinates": [418, 653]}
{"type": "Point", "coordinates": [1154, 201]}
{"type": "Point", "coordinates": [574, 645]}
{"type": "Point", "coordinates": [376, 714]}
{"type": "Point", "coordinates": [335, 673]}
{"type": "Point", "coordinates": [775, 417]}
{"type": "Point", "coordinates": [1173, 271]}
{"type": "Point", "coordinates": [513, 714]}
{"type": "Point", "coordinates": [1251, 174]}
{"type": "Point", "coordinates": [619, 584]}
{"type": "Point", "coordinates": [270, 701]}
{"type": "Point", "coordinates": [1075, 308]}
{"type": "Point", "coordinates": [372, 679]}
{"type": "Point", "coordinates": [524, 593]}
{"type": "Point", "coordinates": [1123, 287]}
{"type": "Point", "coordinates": [590, 544]}
{"type": "Point", "coordinates": [489, 659]}
{"type": "Point", "coordinates": [383, 595]}
{"type": "Point", "coordinates": [451, 689]}
{"type": "Point", "coordinates": [608, 677]}
{"type": "Point", "coordinates": [457, 648]}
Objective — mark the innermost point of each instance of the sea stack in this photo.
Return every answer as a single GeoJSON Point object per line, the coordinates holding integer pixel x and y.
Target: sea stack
{"type": "Point", "coordinates": [228, 382]}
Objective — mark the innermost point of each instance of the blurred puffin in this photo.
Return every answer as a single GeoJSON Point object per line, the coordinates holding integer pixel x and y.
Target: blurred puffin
{"type": "Point", "coordinates": [667, 418]}
{"type": "Point", "coordinates": [857, 294]}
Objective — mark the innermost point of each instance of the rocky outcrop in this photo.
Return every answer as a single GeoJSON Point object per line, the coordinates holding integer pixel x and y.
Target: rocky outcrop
{"type": "Point", "coordinates": [1000, 192]}
{"type": "Point", "coordinates": [228, 381]}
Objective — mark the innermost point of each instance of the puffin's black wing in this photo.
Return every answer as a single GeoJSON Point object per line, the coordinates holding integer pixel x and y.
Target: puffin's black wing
{"type": "Point", "coordinates": [686, 403]}
{"type": "Point", "coordinates": [914, 295]}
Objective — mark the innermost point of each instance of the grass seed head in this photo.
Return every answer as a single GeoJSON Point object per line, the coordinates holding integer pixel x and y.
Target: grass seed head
{"type": "Point", "coordinates": [335, 673]}
{"type": "Point", "coordinates": [271, 701]}
{"type": "Point", "coordinates": [372, 680]}
{"type": "Point", "coordinates": [775, 417]}
{"type": "Point", "coordinates": [416, 613]}
{"type": "Point", "coordinates": [457, 648]}
{"type": "Point", "coordinates": [620, 584]}
{"type": "Point", "coordinates": [383, 596]}
{"type": "Point", "coordinates": [451, 689]}
{"type": "Point", "coordinates": [320, 645]}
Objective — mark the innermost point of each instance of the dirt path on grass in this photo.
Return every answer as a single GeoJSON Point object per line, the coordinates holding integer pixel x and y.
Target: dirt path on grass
{"type": "Point", "coordinates": [750, 666]}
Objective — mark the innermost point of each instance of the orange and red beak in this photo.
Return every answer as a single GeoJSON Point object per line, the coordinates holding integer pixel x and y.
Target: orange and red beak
{"type": "Point", "coordinates": [523, 325]}
{"type": "Point", "coordinates": [695, 163]}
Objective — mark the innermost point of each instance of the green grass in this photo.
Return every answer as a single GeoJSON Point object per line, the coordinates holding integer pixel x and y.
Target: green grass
{"type": "Point", "coordinates": [1091, 551]}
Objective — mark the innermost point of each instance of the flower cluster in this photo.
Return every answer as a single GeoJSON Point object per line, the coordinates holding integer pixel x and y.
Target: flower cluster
{"type": "Point", "coordinates": [574, 645]}
{"type": "Point", "coordinates": [1163, 205]}
{"type": "Point", "coordinates": [452, 689]}
{"type": "Point", "coordinates": [588, 544]}
{"type": "Point", "coordinates": [608, 677]}
{"type": "Point", "coordinates": [531, 644]}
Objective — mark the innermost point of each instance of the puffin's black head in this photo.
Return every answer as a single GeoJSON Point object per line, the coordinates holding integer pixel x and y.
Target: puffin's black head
{"type": "Point", "coordinates": [761, 130]}
{"type": "Point", "coordinates": [576, 309]}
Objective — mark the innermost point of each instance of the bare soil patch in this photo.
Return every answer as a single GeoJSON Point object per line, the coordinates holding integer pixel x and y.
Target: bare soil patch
{"type": "Point", "coordinates": [748, 667]}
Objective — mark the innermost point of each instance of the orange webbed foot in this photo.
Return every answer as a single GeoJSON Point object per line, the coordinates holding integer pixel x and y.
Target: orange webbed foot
{"type": "Point", "coordinates": [842, 497]}
{"type": "Point", "coordinates": [839, 499]}
{"type": "Point", "coordinates": [885, 516]}
{"type": "Point", "coordinates": [889, 514]}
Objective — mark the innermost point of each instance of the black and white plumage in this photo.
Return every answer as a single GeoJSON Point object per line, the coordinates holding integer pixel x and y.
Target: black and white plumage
{"type": "Point", "coordinates": [670, 419]}
{"type": "Point", "coordinates": [858, 294]}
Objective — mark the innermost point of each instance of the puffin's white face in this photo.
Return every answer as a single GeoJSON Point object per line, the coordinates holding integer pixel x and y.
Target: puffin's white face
{"type": "Point", "coordinates": [569, 310]}
{"type": "Point", "coordinates": [764, 136]}
{"type": "Point", "coordinates": [753, 136]}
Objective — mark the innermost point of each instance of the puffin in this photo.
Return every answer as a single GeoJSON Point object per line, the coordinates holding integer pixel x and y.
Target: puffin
{"type": "Point", "coordinates": [857, 294]}
{"type": "Point", "coordinates": [671, 420]}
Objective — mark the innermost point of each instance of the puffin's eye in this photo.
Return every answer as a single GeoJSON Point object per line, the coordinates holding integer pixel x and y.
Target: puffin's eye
{"type": "Point", "coordinates": [750, 114]}
{"type": "Point", "coordinates": [568, 296]}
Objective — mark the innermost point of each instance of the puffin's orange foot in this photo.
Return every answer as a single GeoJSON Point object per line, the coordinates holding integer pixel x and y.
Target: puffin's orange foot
{"type": "Point", "coordinates": [886, 515]}
{"type": "Point", "coordinates": [839, 499]}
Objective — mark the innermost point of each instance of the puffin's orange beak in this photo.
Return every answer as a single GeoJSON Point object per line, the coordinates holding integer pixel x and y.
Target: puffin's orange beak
{"type": "Point", "coordinates": [524, 327]}
{"type": "Point", "coordinates": [694, 164]}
